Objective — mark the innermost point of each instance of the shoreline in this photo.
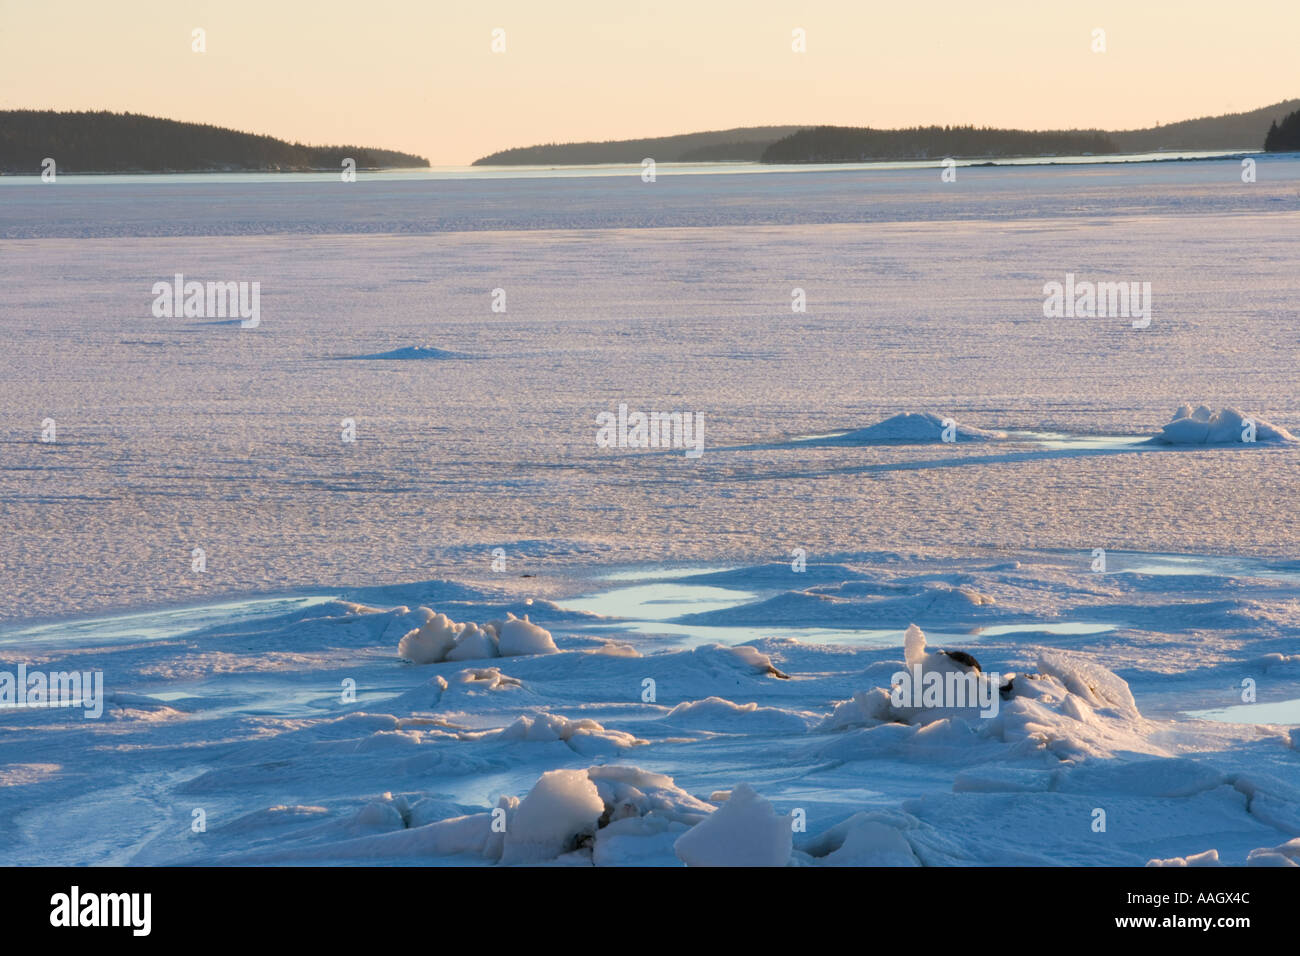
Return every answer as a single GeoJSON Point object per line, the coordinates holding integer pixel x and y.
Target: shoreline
{"type": "Point", "coordinates": [728, 166]}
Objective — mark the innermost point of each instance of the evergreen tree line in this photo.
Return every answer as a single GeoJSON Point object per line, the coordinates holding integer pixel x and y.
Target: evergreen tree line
{"type": "Point", "coordinates": [850, 144]}
{"type": "Point", "coordinates": [1284, 138]}
{"type": "Point", "coordinates": [106, 142]}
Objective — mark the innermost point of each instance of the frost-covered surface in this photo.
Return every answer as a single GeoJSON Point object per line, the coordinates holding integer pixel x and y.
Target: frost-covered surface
{"type": "Point", "coordinates": [921, 296]}
{"type": "Point", "coordinates": [652, 743]}
{"type": "Point", "coordinates": [699, 712]}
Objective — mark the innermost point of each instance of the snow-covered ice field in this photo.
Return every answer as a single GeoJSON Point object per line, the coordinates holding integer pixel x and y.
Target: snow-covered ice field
{"type": "Point", "coordinates": [1162, 690]}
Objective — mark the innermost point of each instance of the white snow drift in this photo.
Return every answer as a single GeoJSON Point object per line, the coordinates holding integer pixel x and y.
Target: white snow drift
{"type": "Point", "coordinates": [442, 639]}
{"type": "Point", "coordinates": [1202, 426]}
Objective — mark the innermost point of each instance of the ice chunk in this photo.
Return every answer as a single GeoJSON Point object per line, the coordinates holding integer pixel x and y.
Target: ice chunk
{"type": "Point", "coordinates": [521, 636]}
{"type": "Point", "coordinates": [637, 841]}
{"type": "Point", "coordinates": [442, 639]}
{"type": "Point", "coordinates": [1287, 854]}
{"type": "Point", "coordinates": [429, 643]}
{"type": "Point", "coordinates": [746, 831]}
{"type": "Point", "coordinates": [473, 643]}
{"type": "Point", "coordinates": [1208, 858]}
{"type": "Point", "coordinates": [1095, 684]}
{"type": "Point", "coordinates": [870, 843]}
{"type": "Point", "coordinates": [562, 807]}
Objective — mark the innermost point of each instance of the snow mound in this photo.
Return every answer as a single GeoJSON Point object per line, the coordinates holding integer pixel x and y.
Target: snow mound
{"type": "Point", "coordinates": [544, 727]}
{"type": "Point", "coordinates": [440, 638]}
{"type": "Point", "coordinates": [1201, 426]}
{"type": "Point", "coordinates": [718, 658]}
{"type": "Point", "coordinates": [915, 428]}
{"type": "Point", "coordinates": [746, 831]}
{"type": "Point", "coordinates": [410, 353]}
{"type": "Point", "coordinates": [864, 839]}
{"type": "Point", "coordinates": [862, 604]}
{"type": "Point", "coordinates": [719, 715]}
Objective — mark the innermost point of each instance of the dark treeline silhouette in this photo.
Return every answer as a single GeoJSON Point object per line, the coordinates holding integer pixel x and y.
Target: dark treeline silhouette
{"type": "Point", "coordinates": [104, 142]}
{"type": "Point", "coordinates": [1284, 138]}
{"type": "Point", "coordinates": [850, 144]}
{"type": "Point", "coordinates": [1230, 131]}
{"type": "Point", "coordinates": [745, 143]}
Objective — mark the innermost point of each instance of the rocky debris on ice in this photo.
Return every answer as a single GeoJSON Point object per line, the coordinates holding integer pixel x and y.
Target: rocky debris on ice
{"type": "Point", "coordinates": [1201, 426]}
{"type": "Point", "coordinates": [441, 639]}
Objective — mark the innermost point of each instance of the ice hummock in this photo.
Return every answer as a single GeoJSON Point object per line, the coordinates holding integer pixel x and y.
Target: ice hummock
{"type": "Point", "coordinates": [750, 754]}
{"type": "Point", "coordinates": [1202, 426]}
{"type": "Point", "coordinates": [442, 639]}
{"type": "Point", "coordinates": [411, 353]}
{"type": "Point", "coordinates": [915, 428]}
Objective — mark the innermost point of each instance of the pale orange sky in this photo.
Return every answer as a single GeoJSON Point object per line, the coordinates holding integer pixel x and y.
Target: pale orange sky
{"type": "Point", "coordinates": [421, 76]}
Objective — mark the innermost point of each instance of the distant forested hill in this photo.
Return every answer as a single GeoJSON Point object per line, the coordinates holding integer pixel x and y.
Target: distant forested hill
{"type": "Point", "coordinates": [130, 142]}
{"type": "Point", "coordinates": [849, 144]}
{"type": "Point", "coordinates": [1229, 131]}
{"type": "Point", "coordinates": [745, 143]}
